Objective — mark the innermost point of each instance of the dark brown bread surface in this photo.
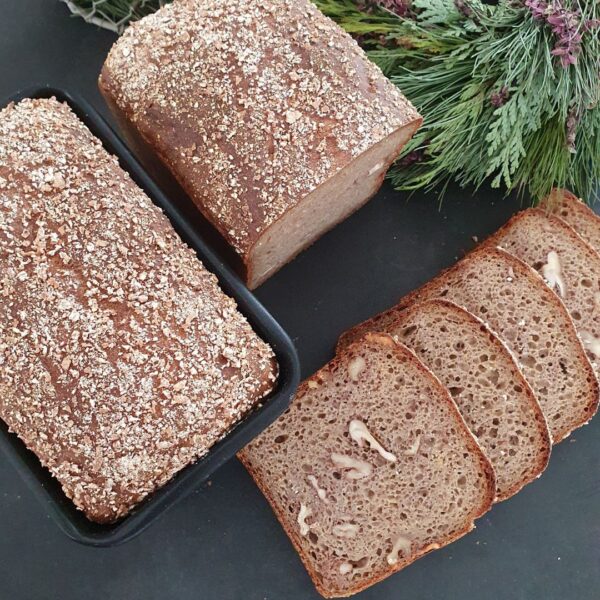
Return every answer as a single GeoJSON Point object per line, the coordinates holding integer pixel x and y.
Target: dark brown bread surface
{"type": "Point", "coordinates": [570, 266]}
{"type": "Point", "coordinates": [576, 213]}
{"type": "Point", "coordinates": [484, 380]}
{"type": "Point", "coordinates": [529, 317]}
{"type": "Point", "coordinates": [355, 524]}
{"type": "Point", "coordinates": [253, 106]}
{"type": "Point", "coordinates": [121, 360]}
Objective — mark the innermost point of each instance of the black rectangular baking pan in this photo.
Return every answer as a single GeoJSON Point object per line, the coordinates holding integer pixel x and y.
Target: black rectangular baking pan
{"type": "Point", "coordinates": [39, 479]}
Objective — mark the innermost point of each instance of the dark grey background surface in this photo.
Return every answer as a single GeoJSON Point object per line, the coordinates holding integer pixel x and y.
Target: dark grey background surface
{"type": "Point", "coordinates": [222, 542]}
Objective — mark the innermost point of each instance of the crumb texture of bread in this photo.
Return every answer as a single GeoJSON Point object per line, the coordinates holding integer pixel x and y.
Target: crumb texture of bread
{"type": "Point", "coordinates": [254, 107]}
{"type": "Point", "coordinates": [370, 467]}
{"type": "Point", "coordinates": [515, 302]}
{"type": "Point", "coordinates": [568, 264]}
{"type": "Point", "coordinates": [121, 359]}
{"type": "Point", "coordinates": [488, 387]}
{"type": "Point", "coordinates": [576, 213]}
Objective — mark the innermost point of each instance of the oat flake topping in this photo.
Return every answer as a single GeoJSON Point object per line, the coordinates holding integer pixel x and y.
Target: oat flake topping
{"type": "Point", "coordinates": [251, 104]}
{"type": "Point", "coordinates": [121, 360]}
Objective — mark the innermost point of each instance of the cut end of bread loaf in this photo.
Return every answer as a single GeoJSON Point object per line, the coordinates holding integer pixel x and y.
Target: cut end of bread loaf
{"type": "Point", "coordinates": [371, 467]}
{"type": "Point", "coordinates": [328, 205]}
{"type": "Point", "coordinates": [529, 317]}
{"type": "Point", "coordinates": [484, 380]}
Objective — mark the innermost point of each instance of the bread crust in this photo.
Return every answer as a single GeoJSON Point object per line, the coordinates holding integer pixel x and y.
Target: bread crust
{"type": "Point", "coordinates": [400, 350]}
{"type": "Point", "coordinates": [561, 199]}
{"type": "Point", "coordinates": [582, 245]}
{"type": "Point", "coordinates": [253, 132]}
{"type": "Point", "coordinates": [540, 420]}
{"type": "Point", "coordinates": [130, 362]}
{"type": "Point", "coordinates": [419, 294]}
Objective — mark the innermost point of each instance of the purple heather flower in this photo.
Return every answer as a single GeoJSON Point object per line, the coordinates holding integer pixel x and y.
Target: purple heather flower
{"type": "Point", "coordinates": [412, 157]}
{"type": "Point", "coordinates": [565, 25]}
{"type": "Point", "coordinates": [462, 6]}
{"type": "Point", "coordinates": [499, 98]}
{"type": "Point", "coordinates": [398, 7]}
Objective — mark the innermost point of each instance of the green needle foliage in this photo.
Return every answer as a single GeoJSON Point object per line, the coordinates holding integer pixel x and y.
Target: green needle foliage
{"type": "Point", "coordinates": [510, 93]}
{"type": "Point", "coordinates": [499, 106]}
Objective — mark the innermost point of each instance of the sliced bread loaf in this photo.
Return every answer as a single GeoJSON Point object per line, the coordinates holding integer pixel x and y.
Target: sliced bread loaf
{"type": "Point", "coordinates": [371, 467]}
{"type": "Point", "coordinates": [270, 116]}
{"type": "Point", "coordinates": [569, 265]}
{"type": "Point", "coordinates": [529, 317]}
{"type": "Point", "coordinates": [488, 387]}
{"type": "Point", "coordinates": [576, 213]}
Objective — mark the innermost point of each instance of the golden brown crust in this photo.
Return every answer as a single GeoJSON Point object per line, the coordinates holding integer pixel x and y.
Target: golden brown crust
{"type": "Point", "coordinates": [401, 351]}
{"type": "Point", "coordinates": [122, 360]}
{"type": "Point", "coordinates": [540, 420]}
{"type": "Point", "coordinates": [252, 106]}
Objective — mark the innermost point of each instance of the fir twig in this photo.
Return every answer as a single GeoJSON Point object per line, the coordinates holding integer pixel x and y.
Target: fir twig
{"type": "Point", "coordinates": [113, 14]}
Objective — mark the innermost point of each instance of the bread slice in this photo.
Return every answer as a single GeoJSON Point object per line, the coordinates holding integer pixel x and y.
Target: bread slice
{"type": "Point", "coordinates": [569, 265]}
{"type": "Point", "coordinates": [529, 317]}
{"type": "Point", "coordinates": [357, 512]}
{"type": "Point", "coordinates": [576, 213]}
{"type": "Point", "coordinates": [488, 387]}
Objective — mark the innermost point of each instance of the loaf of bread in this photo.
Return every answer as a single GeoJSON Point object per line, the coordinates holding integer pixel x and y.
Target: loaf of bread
{"type": "Point", "coordinates": [488, 387]}
{"type": "Point", "coordinates": [121, 360]}
{"type": "Point", "coordinates": [529, 317]}
{"type": "Point", "coordinates": [570, 266]}
{"type": "Point", "coordinates": [371, 467]}
{"type": "Point", "coordinates": [271, 118]}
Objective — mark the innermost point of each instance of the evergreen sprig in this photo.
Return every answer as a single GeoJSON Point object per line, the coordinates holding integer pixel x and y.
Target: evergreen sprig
{"type": "Point", "coordinates": [500, 105]}
{"type": "Point", "coordinates": [510, 92]}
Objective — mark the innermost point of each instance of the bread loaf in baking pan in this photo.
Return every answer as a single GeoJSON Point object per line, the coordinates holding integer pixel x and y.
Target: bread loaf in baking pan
{"type": "Point", "coordinates": [371, 467]}
{"type": "Point", "coordinates": [267, 113]}
{"type": "Point", "coordinates": [121, 359]}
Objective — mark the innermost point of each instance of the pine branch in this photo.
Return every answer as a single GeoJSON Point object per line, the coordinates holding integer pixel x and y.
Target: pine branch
{"type": "Point", "coordinates": [510, 92]}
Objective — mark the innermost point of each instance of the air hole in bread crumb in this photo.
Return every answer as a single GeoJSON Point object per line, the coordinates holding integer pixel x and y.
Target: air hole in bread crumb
{"type": "Point", "coordinates": [280, 439]}
{"type": "Point", "coordinates": [409, 330]}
